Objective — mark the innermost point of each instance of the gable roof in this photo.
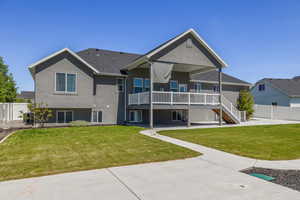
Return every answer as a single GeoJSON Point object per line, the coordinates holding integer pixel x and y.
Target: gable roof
{"type": "Point", "coordinates": [157, 49]}
{"type": "Point", "coordinates": [290, 87]}
{"type": "Point", "coordinates": [32, 66]}
{"type": "Point", "coordinates": [213, 77]}
{"type": "Point", "coordinates": [105, 61]}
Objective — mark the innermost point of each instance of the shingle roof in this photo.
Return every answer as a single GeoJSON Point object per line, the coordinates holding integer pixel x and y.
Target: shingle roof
{"type": "Point", "coordinates": [290, 87]}
{"type": "Point", "coordinates": [26, 95]}
{"type": "Point", "coordinates": [106, 61]}
{"type": "Point", "coordinates": [213, 76]}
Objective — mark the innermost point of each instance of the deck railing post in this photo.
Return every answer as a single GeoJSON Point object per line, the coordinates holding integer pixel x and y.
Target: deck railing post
{"type": "Point", "coordinates": [189, 97]}
{"type": "Point", "coordinates": [205, 96]}
{"type": "Point", "coordinates": [171, 97]}
{"type": "Point", "coordinates": [139, 101]}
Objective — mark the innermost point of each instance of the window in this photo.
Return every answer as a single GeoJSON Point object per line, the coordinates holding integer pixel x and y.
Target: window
{"type": "Point", "coordinates": [96, 116]}
{"type": "Point", "coordinates": [261, 87]}
{"type": "Point", "coordinates": [64, 116]}
{"type": "Point", "coordinates": [274, 103]}
{"type": "Point", "coordinates": [135, 115]}
{"type": "Point", "coordinates": [65, 82]}
{"type": "Point", "coordinates": [198, 87]}
{"type": "Point", "coordinates": [137, 85]}
{"type": "Point", "coordinates": [120, 83]}
{"type": "Point", "coordinates": [177, 115]}
{"type": "Point", "coordinates": [146, 84]}
{"type": "Point", "coordinates": [174, 86]}
{"type": "Point", "coordinates": [216, 88]}
{"type": "Point", "coordinates": [182, 87]}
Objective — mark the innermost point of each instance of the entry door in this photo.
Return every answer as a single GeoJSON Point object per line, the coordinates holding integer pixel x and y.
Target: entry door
{"type": "Point", "coordinates": [182, 87]}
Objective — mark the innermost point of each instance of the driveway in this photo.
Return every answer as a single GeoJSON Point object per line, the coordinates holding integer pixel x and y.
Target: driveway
{"type": "Point", "coordinates": [193, 178]}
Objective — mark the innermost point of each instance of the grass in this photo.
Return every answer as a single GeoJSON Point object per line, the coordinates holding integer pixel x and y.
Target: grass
{"type": "Point", "coordinates": [268, 142]}
{"type": "Point", "coordinates": [38, 152]}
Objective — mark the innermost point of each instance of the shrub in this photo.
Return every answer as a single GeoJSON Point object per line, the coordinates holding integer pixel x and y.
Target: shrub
{"type": "Point", "coordinates": [245, 102]}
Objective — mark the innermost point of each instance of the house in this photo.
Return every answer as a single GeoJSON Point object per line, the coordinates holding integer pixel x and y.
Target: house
{"type": "Point", "coordinates": [281, 92]}
{"type": "Point", "coordinates": [180, 81]}
{"type": "Point", "coordinates": [26, 95]}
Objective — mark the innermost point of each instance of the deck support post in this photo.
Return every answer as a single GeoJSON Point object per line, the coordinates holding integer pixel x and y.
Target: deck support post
{"type": "Point", "coordinates": [189, 116]}
{"type": "Point", "coordinates": [150, 98]}
{"type": "Point", "coordinates": [220, 97]}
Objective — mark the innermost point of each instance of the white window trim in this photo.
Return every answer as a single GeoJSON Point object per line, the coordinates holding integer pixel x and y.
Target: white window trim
{"type": "Point", "coordinates": [133, 86]}
{"type": "Point", "coordinates": [122, 84]}
{"type": "Point", "coordinates": [183, 84]}
{"type": "Point", "coordinates": [64, 111]}
{"type": "Point", "coordinates": [66, 83]}
{"type": "Point", "coordinates": [97, 116]}
{"type": "Point", "coordinates": [132, 111]}
{"type": "Point", "coordinates": [171, 85]}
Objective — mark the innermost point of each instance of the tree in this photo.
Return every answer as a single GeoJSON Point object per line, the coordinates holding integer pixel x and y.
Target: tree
{"type": "Point", "coordinates": [8, 90]}
{"type": "Point", "coordinates": [245, 102]}
{"type": "Point", "coordinates": [40, 113]}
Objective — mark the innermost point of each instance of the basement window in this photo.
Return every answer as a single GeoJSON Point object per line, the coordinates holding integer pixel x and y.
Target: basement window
{"type": "Point", "coordinates": [135, 116]}
{"type": "Point", "coordinates": [96, 116]}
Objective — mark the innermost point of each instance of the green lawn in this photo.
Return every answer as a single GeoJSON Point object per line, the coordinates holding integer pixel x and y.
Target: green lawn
{"type": "Point", "coordinates": [37, 152]}
{"type": "Point", "coordinates": [270, 142]}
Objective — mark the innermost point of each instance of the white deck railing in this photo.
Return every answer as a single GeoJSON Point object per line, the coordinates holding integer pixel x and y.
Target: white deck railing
{"type": "Point", "coordinates": [185, 98]}
{"type": "Point", "coordinates": [231, 108]}
{"type": "Point", "coordinates": [172, 98]}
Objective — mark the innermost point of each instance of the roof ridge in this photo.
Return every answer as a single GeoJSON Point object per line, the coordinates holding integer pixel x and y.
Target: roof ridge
{"type": "Point", "coordinates": [107, 50]}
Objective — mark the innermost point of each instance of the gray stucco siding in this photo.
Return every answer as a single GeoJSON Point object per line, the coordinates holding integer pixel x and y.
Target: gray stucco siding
{"type": "Point", "coordinates": [45, 86]}
{"type": "Point", "coordinates": [179, 53]}
{"type": "Point", "coordinates": [109, 100]}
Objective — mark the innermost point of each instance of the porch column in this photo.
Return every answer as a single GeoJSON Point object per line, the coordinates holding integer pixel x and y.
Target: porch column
{"type": "Point", "coordinates": [189, 116]}
{"type": "Point", "coordinates": [220, 97]}
{"type": "Point", "coordinates": [150, 98]}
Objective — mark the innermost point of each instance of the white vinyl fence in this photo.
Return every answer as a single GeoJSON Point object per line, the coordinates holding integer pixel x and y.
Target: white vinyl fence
{"type": "Point", "coordinates": [12, 111]}
{"type": "Point", "coordinates": [277, 112]}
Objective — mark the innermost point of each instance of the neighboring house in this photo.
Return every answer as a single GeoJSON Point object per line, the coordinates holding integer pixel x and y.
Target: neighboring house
{"type": "Point", "coordinates": [27, 95]}
{"type": "Point", "coordinates": [281, 92]}
{"type": "Point", "coordinates": [112, 87]}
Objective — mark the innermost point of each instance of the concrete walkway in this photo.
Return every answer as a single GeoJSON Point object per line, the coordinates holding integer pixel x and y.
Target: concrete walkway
{"type": "Point", "coordinates": [224, 159]}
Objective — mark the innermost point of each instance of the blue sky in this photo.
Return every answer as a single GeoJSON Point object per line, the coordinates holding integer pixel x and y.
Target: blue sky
{"type": "Point", "coordinates": [256, 38]}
